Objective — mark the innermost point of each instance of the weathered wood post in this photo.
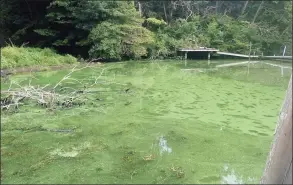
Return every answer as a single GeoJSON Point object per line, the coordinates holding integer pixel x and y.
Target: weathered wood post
{"type": "Point", "coordinates": [278, 169]}
{"type": "Point", "coordinates": [185, 57]}
{"type": "Point", "coordinates": [284, 51]}
{"type": "Point", "coordinates": [209, 57]}
{"type": "Point", "coordinates": [249, 58]}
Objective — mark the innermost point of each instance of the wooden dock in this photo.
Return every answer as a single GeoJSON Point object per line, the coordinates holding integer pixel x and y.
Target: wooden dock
{"type": "Point", "coordinates": [208, 51]}
{"type": "Point", "coordinates": [202, 50]}
{"type": "Point", "coordinates": [237, 55]}
{"type": "Point", "coordinates": [199, 50]}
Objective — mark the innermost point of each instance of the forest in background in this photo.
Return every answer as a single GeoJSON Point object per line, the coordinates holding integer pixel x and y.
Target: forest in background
{"type": "Point", "coordinates": [147, 29]}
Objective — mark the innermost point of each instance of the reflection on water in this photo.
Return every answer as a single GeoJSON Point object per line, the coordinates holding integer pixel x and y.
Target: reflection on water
{"type": "Point", "coordinates": [232, 178]}
{"type": "Point", "coordinates": [163, 145]}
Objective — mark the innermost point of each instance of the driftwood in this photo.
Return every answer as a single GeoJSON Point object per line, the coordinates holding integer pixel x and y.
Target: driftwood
{"type": "Point", "coordinates": [47, 95]}
{"type": "Point", "coordinates": [278, 169]}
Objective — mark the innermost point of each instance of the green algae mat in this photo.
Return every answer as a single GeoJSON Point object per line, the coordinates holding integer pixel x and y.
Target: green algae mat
{"type": "Point", "coordinates": [148, 122]}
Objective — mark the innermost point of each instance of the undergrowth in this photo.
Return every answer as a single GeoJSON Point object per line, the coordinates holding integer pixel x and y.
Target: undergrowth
{"type": "Point", "coordinates": [27, 57]}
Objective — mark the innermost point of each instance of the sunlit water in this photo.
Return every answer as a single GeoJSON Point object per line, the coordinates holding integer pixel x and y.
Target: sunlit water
{"type": "Point", "coordinates": [203, 125]}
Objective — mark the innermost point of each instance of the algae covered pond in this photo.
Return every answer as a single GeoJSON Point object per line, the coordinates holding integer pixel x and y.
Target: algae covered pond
{"type": "Point", "coordinates": [148, 122]}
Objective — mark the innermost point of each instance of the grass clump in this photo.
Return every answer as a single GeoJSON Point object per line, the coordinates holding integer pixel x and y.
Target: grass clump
{"type": "Point", "coordinates": [28, 57]}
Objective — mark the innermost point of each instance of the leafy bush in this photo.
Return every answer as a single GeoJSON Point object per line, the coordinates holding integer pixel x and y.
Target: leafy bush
{"type": "Point", "coordinates": [121, 37]}
{"type": "Point", "coordinates": [24, 57]}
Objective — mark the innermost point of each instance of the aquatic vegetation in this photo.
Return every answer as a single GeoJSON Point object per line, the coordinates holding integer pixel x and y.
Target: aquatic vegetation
{"type": "Point", "coordinates": [209, 127]}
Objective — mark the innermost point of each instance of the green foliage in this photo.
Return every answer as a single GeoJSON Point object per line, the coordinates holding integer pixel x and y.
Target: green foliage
{"type": "Point", "coordinates": [45, 32]}
{"type": "Point", "coordinates": [28, 57]}
{"type": "Point", "coordinates": [124, 38]}
{"type": "Point", "coordinates": [116, 29]}
{"type": "Point", "coordinates": [154, 24]}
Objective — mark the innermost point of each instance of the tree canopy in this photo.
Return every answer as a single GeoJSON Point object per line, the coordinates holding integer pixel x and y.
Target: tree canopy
{"type": "Point", "coordinates": [135, 29]}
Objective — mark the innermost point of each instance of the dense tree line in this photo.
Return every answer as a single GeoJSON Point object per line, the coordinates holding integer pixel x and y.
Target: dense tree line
{"type": "Point", "coordinates": [148, 29]}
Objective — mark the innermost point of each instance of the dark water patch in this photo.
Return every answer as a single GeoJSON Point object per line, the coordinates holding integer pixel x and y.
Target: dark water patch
{"type": "Point", "coordinates": [237, 87]}
{"type": "Point", "coordinates": [210, 179]}
{"type": "Point", "coordinates": [189, 108]}
{"type": "Point", "coordinates": [263, 134]}
{"type": "Point", "coordinates": [226, 122]}
{"type": "Point", "coordinates": [155, 113]}
{"type": "Point", "coordinates": [258, 133]}
{"type": "Point", "coordinates": [118, 133]}
{"type": "Point", "coordinates": [237, 129]}
{"type": "Point", "coordinates": [247, 106]}
{"type": "Point", "coordinates": [239, 116]}
{"type": "Point", "coordinates": [253, 131]}
{"type": "Point", "coordinates": [271, 116]}
{"type": "Point", "coordinates": [175, 136]}
{"type": "Point", "coordinates": [207, 141]}
{"type": "Point", "coordinates": [258, 154]}
{"type": "Point", "coordinates": [263, 127]}
{"type": "Point", "coordinates": [221, 105]}
{"type": "Point", "coordinates": [254, 96]}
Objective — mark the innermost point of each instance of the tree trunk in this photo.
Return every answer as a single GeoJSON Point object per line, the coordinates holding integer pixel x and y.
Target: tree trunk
{"type": "Point", "coordinates": [171, 12]}
{"type": "Point", "coordinates": [244, 7]}
{"type": "Point", "coordinates": [257, 12]}
{"type": "Point", "coordinates": [140, 8]}
{"type": "Point", "coordinates": [164, 6]}
{"type": "Point", "coordinates": [217, 4]}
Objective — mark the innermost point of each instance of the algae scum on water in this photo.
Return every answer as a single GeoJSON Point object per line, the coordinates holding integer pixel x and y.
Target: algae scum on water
{"type": "Point", "coordinates": [150, 122]}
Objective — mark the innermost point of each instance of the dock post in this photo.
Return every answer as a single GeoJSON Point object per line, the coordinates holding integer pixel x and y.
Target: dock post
{"type": "Point", "coordinates": [284, 51]}
{"type": "Point", "coordinates": [209, 57]}
{"type": "Point", "coordinates": [249, 58]}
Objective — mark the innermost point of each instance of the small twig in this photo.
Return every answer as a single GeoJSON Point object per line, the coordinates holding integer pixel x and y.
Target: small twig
{"type": "Point", "coordinates": [11, 42]}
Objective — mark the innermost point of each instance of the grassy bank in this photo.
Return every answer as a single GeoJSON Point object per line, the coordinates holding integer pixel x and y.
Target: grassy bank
{"type": "Point", "coordinates": [12, 57]}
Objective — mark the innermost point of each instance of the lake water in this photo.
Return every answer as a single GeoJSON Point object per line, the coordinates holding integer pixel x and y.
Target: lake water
{"type": "Point", "coordinates": [201, 125]}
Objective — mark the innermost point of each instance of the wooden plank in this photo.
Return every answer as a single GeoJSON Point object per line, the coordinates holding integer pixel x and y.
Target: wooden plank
{"type": "Point", "coordinates": [235, 64]}
{"type": "Point", "coordinates": [236, 55]}
{"type": "Point", "coordinates": [278, 169]}
{"type": "Point", "coordinates": [200, 50]}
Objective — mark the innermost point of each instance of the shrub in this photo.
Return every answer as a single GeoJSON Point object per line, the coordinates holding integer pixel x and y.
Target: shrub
{"type": "Point", "coordinates": [26, 57]}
